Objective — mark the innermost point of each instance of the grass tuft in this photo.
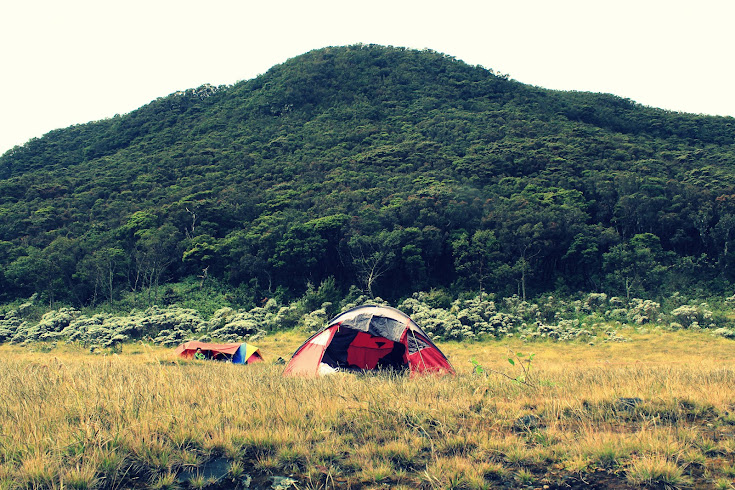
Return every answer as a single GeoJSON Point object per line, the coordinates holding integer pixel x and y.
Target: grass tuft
{"type": "Point", "coordinates": [656, 471]}
{"type": "Point", "coordinates": [166, 481]}
{"type": "Point", "coordinates": [80, 477]}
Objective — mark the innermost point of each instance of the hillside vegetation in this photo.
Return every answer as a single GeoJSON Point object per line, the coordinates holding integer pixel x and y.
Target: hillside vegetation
{"type": "Point", "coordinates": [390, 169]}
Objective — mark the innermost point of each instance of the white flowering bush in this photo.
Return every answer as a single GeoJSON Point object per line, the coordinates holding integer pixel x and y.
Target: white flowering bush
{"type": "Point", "coordinates": [643, 311]}
{"type": "Point", "coordinates": [235, 326]}
{"type": "Point", "coordinates": [155, 319]}
{"type": "Point", "coordinates": [595, 301]}
{"type": "Point", "coordinates": [10, 323]}
{"type": "Point", "coordinates": [220, 318]}
{"type": "Point", "coordinates": [466, 318]}
{"type": "Point", "coordinates": [529, 312]}
{"type": "Point", "coordinates": [97, 329]}
{"type": "Point", "coordinates": [166, 326]}
{"type": "Point", "coordinates": [693, 316]}
{"type": "Point", "coordinates": [316, 320]}
{"type": "Point", "coordinates": [481, 314]}
{"type": "Point", "coordinates": [728, 333]}
{"type": "Point", "coordinates": [552, 318]}
{"type": "Point", "coordinates": [436, 322]}
{"type": "Point", "coordinates": [172, 338]}
{"type": "Point", "coordinates": [551, 308]}
{"type": "Point", "coordinates": [619, 314]}
{"type": "Point", "coordinates": [48, 328]}
{"type": "Point", "coordinates": [363, 299]}
{"type": "Point", "coordinates": [562, 331]}
{"type": "Point", "coordinates": [102, 330]}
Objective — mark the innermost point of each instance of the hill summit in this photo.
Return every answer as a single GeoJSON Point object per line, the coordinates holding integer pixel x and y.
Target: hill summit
{"type": "Point", "coordinates": [391, 169]}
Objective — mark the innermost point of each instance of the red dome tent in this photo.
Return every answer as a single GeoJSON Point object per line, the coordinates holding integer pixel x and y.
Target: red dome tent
{"type": "Point", "coordinates": [367, 338]}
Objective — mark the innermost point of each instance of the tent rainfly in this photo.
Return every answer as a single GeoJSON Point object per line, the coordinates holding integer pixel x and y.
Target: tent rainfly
{"type": "Point", "coordinates": [367, 338]}
{"type": "Point", "coordinates": [237, 353]}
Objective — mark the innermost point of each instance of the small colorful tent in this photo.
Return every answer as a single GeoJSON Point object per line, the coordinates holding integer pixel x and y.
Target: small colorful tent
{"type": "Point", "coordinates": [367, 338]}
{"type": "Point", "coordinates": [238, 353]}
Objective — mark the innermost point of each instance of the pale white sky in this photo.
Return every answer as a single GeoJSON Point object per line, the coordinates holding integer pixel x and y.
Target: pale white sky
{"type": "Point", "coordinates": [65, 62]}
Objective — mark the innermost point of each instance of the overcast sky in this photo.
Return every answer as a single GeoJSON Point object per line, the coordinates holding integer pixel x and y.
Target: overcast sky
{"type": "Point", "coordinates": [67, 62]}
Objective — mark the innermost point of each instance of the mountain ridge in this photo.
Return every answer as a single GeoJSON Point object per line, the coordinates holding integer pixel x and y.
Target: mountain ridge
{"type": "Point", "coordinates": [339, 155]}
{"type": "Point", "coordinates": [701, 128]}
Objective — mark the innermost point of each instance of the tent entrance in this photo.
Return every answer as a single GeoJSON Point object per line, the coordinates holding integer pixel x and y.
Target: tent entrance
{"type": "Point", "coordinates": [216, 355]}
{"type": "Point", "coordinates": [355, 350]}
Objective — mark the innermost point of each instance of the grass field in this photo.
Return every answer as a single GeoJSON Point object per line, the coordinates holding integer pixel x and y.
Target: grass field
{"type": "Point", "coordinates": [655, 411]}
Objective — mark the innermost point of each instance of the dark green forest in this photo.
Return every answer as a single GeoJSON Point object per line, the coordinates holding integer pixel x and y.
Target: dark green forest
{"type": "Point", "coordinates": [389, 169]}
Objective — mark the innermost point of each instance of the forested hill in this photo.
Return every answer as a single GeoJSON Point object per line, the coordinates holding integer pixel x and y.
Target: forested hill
{"type": "Point", "coordinates": [391, 169]}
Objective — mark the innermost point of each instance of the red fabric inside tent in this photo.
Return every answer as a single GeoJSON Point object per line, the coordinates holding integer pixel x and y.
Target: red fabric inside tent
{"type": "Point", "coordinates": [366, 350]}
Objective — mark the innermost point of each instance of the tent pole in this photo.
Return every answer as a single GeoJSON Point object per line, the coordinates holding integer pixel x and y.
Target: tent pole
{"type": "Point", "coordinates": [419, 351]}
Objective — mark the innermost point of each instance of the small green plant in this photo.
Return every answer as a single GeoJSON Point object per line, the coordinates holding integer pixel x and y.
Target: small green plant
{"type": "Point", "coordinates": [525, 365]}
{"type": "Point", "coordinates": [476, 367]}
{"type": "Point", "coordinates": [522, 362]}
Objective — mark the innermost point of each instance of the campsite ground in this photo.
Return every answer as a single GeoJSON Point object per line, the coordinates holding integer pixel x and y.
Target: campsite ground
{"type": "Point", "coordinates": [653, 408]}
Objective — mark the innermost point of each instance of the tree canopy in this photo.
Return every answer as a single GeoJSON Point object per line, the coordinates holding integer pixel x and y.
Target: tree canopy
{"type": "Point", "coordinates": [392, 169]}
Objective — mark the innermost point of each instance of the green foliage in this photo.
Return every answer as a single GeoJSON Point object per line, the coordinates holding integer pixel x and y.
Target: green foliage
{"type": "Point", "coordinates": [519, 361]}
{"type": "Point", "coordinates": [590, 318]}
{"type": "Point", "coordinates": [476, 367]}
{"type": "Point", "coordinates": [392, 169]}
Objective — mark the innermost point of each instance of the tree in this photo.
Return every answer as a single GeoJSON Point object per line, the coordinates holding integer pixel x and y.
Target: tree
{"type": "Point", "coordinates": [723, 234]}
{"type": "Point", "coordinates": [534, 228]}
{"type": "Point", "coordinates": [583, 258]}
{"type": "Point", "coordinates": [200, 253]}
{"type": "Point", "coordinates": [372, 256]}
{"type": "Point", "coordinates": [297, 254]}
{"type": "Point", "coordinates": [30, 273]}
{"type": "Point", "coordinates": [636, 265]}
{"type": "Point", "coordinates": [155, 251]}
{"type": "Point", "coordinates": [476, 257]}
{"type": "Point", "coordinates": [103, 269]}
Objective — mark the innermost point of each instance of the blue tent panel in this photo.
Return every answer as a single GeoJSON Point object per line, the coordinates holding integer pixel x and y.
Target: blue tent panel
{"type": "Point", "coordinates": [239, 356]}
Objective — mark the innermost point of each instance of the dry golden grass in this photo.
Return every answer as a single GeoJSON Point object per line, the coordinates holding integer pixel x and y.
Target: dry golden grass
{"type": "Point", "coordinates": [143, 418]}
